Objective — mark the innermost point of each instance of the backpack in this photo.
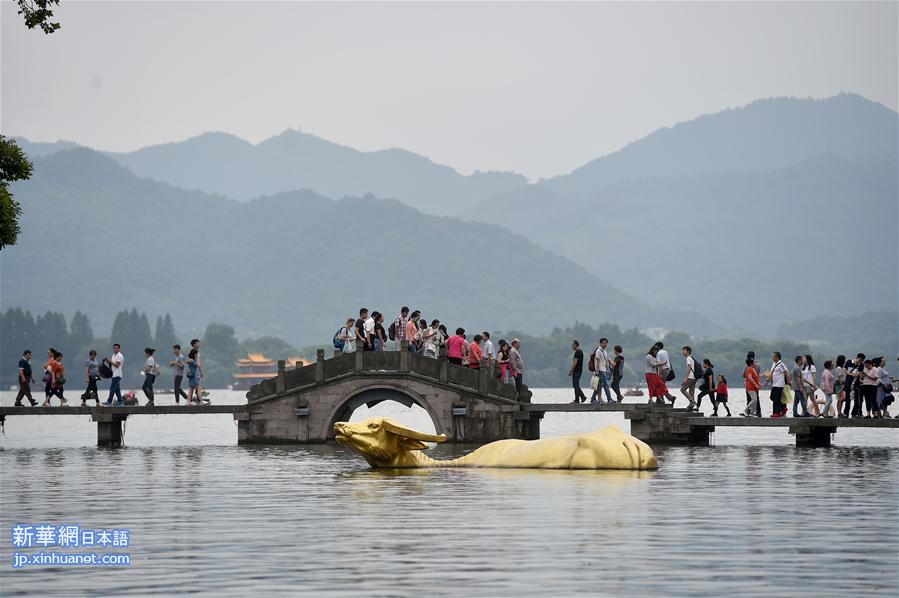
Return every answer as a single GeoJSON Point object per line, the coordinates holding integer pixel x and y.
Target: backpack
{"type": "Point", "coordinates": [697, 369]}
{"type": "Point", "coordinates": [155, 369]}
{"type": "Point", "coordinates": [338, 344]}
{"type": "Point", "coordinates": [591, 365]}
{"type": "Point", "coordinates": [391, 332]}
{"type": "Point", "coordinates": [104, 370]}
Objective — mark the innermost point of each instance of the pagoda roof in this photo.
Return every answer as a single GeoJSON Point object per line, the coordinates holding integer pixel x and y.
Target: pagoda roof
{"type": "Point", "coordinates": [255, 359]}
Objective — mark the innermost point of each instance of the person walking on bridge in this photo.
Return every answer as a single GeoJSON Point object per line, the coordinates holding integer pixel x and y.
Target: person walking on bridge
{"type": "Point", "coordinates": [517, 364]}
{"type": "Point", "coordinates": [397, 330]}
{"type": "Point", "coordinates": [617, 372]}
{"type": "Point", "coordinates": [654, 384]}
{"type": "Point", "coordinates": [778, 377]}
{"type": "Point", "coordinates": [503, 362]}
{"type": "Point", "coordinates": [362, 329]}
{"type": "Point", "coordinates": [199, 393]}
{"type": "Point", "coordinates": [150, 370]}
{"type": "Point", "coordinates": [665, 370]}
{"type": "Point", "coordinates": [576, 371]}
{"type": "Point", "coordinates": [347, 334]}
{"type": "Point", "coordinates": [475, 355]}
{"type": "Point", "coordinates": [47, 378]}
{"type": "Point", "coordinates": [798, 388]}
{"type": "Point", "coordinates": [707, 384]}
{"type": "Point", "coordinates": [26, 379]}
{"type": "Point", "coordinates": [688, 386]}
{"type": "Point", "coordinates": [751, 377]}
{"type": "Point", "coordinates": [455, 347]}
{"type": "Point", "coordinates": [413, 335]}
{"type": "Point", "coordinates": [603, 370]}
{"type": "Point", "coordinates": [177, 365]}
{"type": "Point", "coordinates": [758, 376]}
{"type": "Point", "coordinates": [116, 361]}
{"type": "Point", "coordinates": [489, 351]}
{"type": "Point", "coordinates": [58, 375]}
{"type": "Point", "coordinates": [91, 375]}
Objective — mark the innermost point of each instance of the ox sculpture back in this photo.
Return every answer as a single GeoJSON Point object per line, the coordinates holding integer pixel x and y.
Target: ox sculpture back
{"type": "Point", "coordinates": [386, 444]}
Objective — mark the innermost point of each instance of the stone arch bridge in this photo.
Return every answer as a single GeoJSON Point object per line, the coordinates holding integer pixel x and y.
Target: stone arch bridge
{"type": "Point", "coordinates": [302, 405]}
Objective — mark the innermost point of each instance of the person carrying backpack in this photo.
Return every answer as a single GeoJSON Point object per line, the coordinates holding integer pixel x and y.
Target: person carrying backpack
{"type": "Point", "coordinates": [706, 384]}
{"type": "Point", "coordinates": [347, 337]}
{"type": "Point", "coordinates": [397, 331]}
{"type": "Point", "coordinates": [692, 373]}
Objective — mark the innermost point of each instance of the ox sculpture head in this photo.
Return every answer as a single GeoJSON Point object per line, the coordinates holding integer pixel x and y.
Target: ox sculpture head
{"type": "Point", "coordinates": [383, 442]}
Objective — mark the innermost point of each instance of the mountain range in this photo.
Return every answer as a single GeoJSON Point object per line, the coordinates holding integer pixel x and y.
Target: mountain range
{"type": "Point", "coordinates": [97, 237]}
{"type": "Point", "coordinates": [753, 217]}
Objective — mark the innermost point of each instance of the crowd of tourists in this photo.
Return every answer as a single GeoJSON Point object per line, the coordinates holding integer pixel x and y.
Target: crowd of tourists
{"type": "Point", "coordinates": [411, 329]}
{"type": "Point", "coordinates": [856, 387]}
{"type": "Point", "coordinates": [111, 368]}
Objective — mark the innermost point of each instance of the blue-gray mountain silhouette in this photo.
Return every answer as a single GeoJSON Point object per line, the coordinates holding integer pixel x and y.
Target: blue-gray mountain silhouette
{"type": "Point", "coordinates": [294, 264]}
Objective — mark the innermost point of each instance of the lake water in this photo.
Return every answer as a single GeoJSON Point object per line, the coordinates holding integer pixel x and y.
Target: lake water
{"type": "Point", "coordinates": [752, 515]}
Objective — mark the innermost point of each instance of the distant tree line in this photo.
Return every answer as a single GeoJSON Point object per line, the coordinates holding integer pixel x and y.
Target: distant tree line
{"type": "Point", "coordinates": [546, 357]}
{"type": "Point", "coordinates": [20, 330]}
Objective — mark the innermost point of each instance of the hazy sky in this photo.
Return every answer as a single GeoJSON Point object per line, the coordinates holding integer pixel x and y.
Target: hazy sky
{"type": "Point", "coordinates": [535, 88]}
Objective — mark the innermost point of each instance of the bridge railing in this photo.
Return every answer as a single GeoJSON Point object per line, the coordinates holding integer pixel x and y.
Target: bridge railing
{"type": "Point", "coordinates": [439, 370]}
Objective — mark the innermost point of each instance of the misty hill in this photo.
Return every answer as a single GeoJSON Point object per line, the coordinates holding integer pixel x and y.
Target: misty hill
{"type": "Point", "coordinates": [764, 135]}
{"type": "Point", "coordinates": [873, 333]}
{"type": "Point", "coordinates": [224, 164]}
{"type": "Point", "coordinates": [708, 242]}
{"type": "Point", "coordinates": [96, 237]}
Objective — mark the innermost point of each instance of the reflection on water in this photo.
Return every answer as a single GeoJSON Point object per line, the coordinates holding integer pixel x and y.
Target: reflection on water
{"type": "Point", "coordinates": [741, 518]}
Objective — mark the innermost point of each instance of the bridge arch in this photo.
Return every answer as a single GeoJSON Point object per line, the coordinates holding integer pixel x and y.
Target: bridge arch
{"type": "Point", "coordinates": [371, 395]}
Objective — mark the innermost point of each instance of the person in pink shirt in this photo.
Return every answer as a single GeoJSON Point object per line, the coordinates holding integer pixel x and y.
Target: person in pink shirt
{"type": "Point", "coordinates": [474, 352]}
{"type": "Point", "coordinates": [455, 347]}
{"type": "Point", "coordinates": [412, 335]}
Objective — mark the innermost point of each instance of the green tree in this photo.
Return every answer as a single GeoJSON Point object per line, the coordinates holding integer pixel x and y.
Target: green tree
{"type": "Point", "coordinates": [81, 334]}
{"type": "Point", "coordinates": [165, 335]}
{"type": "Point", "coordinates": [131, 330]}
{"type": "Point", "coordinates": [37, 13]}
{"type": "Point", "coordinates": [120, 327]}
{"type": "Point", "coordinates": [17, 334]}
{"type": "Point", "coordinates": [14, 166]}
{"type": "Point", "coordinates": [218, 352]}
{"type": "Point", "coordinates": [51, 330]}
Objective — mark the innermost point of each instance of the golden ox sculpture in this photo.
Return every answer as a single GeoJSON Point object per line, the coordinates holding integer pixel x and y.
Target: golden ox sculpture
{"type": "Point", "coordinates": [385, 443]}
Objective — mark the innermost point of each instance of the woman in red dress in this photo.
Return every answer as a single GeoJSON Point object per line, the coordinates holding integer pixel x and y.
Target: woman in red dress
{"type": "Point", "coordinates": [654, 383]}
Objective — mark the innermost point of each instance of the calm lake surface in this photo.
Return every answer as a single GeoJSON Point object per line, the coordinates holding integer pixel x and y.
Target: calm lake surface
{"type": "Point", "coordinates": [751, 516]}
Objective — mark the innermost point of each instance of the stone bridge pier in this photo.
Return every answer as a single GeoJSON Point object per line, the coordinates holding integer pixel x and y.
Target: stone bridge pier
{"type": "Point", "coordinates": [302, 405]}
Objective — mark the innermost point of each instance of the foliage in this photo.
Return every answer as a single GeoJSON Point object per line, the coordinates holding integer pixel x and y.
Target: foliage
{"type": "Point", "coordinates": [874, 333]}
{"type": "Point", "coordinates": [14, 166]}
{"type": "Point", "coordinates": [37, 13]}
{"type": "Point", "coordinates": [218, 352]}
{"type": "Point", "coordinates": [547, 358]}
{"type": "Point", "coordinates": [165, 336]}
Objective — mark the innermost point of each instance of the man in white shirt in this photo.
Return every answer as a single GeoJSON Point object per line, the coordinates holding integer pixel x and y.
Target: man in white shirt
{"type": "Point", "coordinates": [664, 367]}
{"type": "Point", "coordinates": [488, 350]}
{"type": "Point", "coordinates": [779, 376]}
{"type": "Point", "coordinates": [603, 371]}
{"type": "Point", "coordinates": [688, 386]}
{"type": "Point", "coordinates": [116, 362]}
{"type": "Point", "coordinates": [370, 332]}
